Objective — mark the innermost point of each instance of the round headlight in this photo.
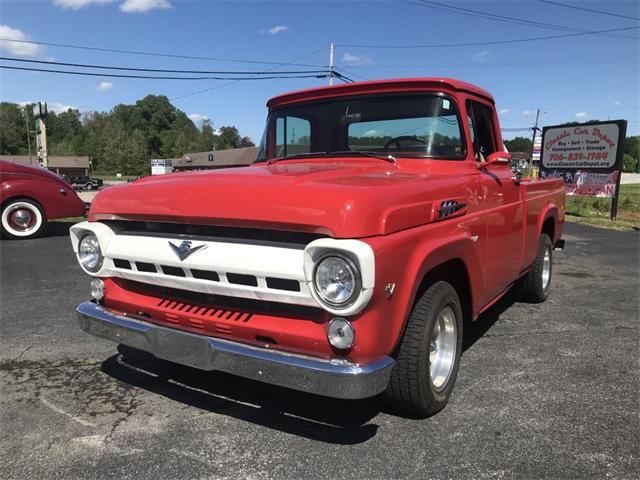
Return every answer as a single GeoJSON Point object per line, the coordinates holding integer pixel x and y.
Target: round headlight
{"type": "Point", "coordinates": [336, 281]}
{"type": "Point", "coordinates": [341, 333]}
{"type": "Point", "coordinates": [89, 253]}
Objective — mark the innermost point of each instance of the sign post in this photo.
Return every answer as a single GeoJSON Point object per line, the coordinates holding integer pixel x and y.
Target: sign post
{"type": "Point", "coordinates": [587, 156]}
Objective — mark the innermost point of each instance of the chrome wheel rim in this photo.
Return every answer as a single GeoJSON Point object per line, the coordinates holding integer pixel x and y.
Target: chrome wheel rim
{"type": "Point", "coordinates": [21, 219]}
{"type": "Point", "coordinates": [546, 268]}
{"type": "Point", "coordinates": [442, 348]}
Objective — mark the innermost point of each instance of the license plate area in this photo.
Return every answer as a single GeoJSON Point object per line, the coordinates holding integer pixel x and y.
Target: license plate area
{"type": "Point", "coordinates": [183, 348]}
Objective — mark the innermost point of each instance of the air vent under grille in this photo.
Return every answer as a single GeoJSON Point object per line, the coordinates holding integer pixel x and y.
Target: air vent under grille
{"type": "Point", "coordinates": [201, 311]}
{"type": "Point", "coordinates": [146, 267]}
{"type": "Point", "coordinates": [205, 275]}
{"type": "Point", "coordinates": [175, 271]}
{"type": "Point", "coordinates": [121, 263]}
{"type": "Point", "coordinates": [240, 279]}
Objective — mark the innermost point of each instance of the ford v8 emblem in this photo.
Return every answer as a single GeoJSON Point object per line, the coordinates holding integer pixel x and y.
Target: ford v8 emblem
{"type": "Point", "coordinates": [185, 249]}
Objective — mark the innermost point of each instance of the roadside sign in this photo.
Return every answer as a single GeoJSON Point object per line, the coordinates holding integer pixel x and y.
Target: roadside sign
{"type": "Point", "coordinates": [587, 156]}
{"type": "Point", "coordinates": [161, 166]}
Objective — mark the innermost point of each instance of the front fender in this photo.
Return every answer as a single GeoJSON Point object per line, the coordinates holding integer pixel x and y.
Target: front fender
{"type": "Point", "coordinates": [403, 260]}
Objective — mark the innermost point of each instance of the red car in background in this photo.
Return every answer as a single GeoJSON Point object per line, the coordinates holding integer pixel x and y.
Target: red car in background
{"type": "Point", "coordinates": [32, 195]}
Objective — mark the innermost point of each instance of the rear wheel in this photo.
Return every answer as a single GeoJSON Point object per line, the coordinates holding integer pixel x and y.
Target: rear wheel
{"type": "Point", "coordinates": [429, 355]}
{"type": "Point", "coordinates": [535, 286]}
{"type": "Point", "coordinates": [23, 218]}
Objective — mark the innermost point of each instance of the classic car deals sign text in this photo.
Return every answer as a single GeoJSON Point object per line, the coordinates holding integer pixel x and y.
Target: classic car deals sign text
{"type": "Point", "coordinates": [588, 157]}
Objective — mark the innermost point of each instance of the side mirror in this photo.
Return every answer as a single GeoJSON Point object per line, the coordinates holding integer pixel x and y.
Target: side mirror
{"type": "Point", "coordinates": [496, 158]}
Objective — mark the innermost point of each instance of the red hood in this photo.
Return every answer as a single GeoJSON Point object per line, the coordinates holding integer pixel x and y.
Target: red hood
{"type": "Point", "coordinates": [344, 198]}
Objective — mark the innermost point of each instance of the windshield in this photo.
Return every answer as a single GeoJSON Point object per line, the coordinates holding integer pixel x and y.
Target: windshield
{"type": "Point", "coordinates": [422, 126]}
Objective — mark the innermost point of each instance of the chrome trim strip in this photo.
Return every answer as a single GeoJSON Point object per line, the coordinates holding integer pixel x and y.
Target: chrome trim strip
{"type": "Point", "coordinates": [323, 377]}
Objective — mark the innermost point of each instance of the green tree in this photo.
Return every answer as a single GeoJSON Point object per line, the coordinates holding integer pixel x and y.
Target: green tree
{"type": "Point", "coordinates": [518, 144]}
{"type": "Point", "coordinates": [630, 164]}
{"type": "Point", "coordinates": [229, 137]}
{"type": "Point", "coordinates": [13, 129]}
{"type": "Point", "coordinates": [122, 140]}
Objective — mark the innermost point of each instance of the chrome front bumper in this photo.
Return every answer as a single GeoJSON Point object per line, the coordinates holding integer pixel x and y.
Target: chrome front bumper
{"type": "Point", "coordinates": [323, 377]}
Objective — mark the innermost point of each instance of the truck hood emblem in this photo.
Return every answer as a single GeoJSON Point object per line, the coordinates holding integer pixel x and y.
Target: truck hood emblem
{"type": "Point", "coordinates": [185, 249]}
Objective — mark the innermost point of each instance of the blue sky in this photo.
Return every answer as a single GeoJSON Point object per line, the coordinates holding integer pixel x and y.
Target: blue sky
{"type": "Point", "coordinates": [579, 78]}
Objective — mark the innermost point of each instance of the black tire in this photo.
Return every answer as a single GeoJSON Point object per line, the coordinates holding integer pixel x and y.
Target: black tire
{"type": "Point", "coordinates": [533, 288]}
{"type": "Point", "coordinates": [26, 204]}
{"type": "Point", "coordinates": [411, 389]}
{"type": "Point", "coordinates": [89, 186]}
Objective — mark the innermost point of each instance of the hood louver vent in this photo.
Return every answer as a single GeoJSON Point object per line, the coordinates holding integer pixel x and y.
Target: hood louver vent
{"type": "Point", "coordinates": [450, 207]}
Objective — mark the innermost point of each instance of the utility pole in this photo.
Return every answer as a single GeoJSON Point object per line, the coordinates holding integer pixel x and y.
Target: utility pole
{"type": "Point", "coordinates": [535, 130]}
{"type": "Point", "coordinates": [331, 67]}
{"type": "Point", "coordinates": [26, 121]}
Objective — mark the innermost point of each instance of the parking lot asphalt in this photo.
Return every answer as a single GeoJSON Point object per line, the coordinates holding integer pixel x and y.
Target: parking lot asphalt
{"type": "Point", "coordinates": [544, 391]}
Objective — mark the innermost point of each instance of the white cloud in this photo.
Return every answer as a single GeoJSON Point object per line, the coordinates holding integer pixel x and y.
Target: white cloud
{"type": "Point", "coordinates": [356, 60]}
{"type": "Point", "coordinates": [78, 4]}
{"type": "Point", "coordinates": [528, 113]}
{"type": "Point", "coordinates": [274, 30]}
{"type": "Point", "coordinates": [482, 56]}
{"type": "Point", "coordinates": [143, 6]}
{"type": "Point", "coordinates": [372, 133]}
{"type": "Point", "coordinates": [198, 117]}
{"type": "Point", "coordinates": [53, 106]}
{"type": "Point", "coordinates": [503, 111]}
{"type": "Point", "coordinates": [617, 102]}
{"type": "Point", "coordinates": [17, 48]}
{"type": "Point", "coordinates": [581, 114]}
{"type": "Point", "coordinates": [104, 86]}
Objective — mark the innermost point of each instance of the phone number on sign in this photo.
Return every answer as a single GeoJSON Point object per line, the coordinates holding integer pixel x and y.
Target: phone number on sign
{"type": "Point", "coordinates": [559, 157]}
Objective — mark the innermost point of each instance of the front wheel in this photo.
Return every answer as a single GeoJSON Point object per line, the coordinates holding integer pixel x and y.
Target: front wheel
{"type": "Point", "coordinates": [535, 286]}
{"type": "Point", "coordinates": [23, 218]}
{"type": "Point", "coordinates": [427, 363]}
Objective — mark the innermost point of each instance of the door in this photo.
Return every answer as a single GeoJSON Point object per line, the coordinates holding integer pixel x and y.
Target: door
{"type": "Point", "coordinates": [503, 205]}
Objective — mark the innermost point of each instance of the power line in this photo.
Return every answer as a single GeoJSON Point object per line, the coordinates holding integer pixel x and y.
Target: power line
{"type": "Point", "coordinates": [154, 77]}
{"type": "Point", "coordinates": [108, 67]}
{"type": "Point", "coordinates": [485, 15]}
{"type": "Point", "coordinates": [492, 16]}
{"type": "Point", "coordinates": [494, 42]}
{"type": "Point", "coordinates": [352, 73]}
{"type": "Point", "coordinates": [599, 12]}
{"type": "Point", "coordinates": [291, 62]}
{"type": "Point", "coordinates": [343, 77]}
{"type": "Point", "coordinates": [485, 65]}
{"type": "Point", "coordinates": [153, 54]}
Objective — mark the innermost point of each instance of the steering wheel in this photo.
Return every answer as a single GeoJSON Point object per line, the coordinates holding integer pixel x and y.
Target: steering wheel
{"type": "Point", "coordinates": [401, 138]}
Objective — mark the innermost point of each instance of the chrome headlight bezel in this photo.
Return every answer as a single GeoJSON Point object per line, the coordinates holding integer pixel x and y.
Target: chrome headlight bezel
{"type": "Point", "coordinates": [354, 270]}
{"type": "Point", "coordinates": [92, 267]}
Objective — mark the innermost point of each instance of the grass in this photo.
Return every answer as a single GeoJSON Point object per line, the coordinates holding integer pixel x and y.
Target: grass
{"type": "Point", "coordinates": [596, 211]}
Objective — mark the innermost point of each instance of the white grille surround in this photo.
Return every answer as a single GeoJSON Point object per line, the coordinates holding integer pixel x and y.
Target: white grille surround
{"type": "Point", "coordinates": [246, 270]}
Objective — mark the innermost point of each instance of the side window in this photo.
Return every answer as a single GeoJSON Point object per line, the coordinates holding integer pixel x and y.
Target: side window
{"type": "Point", "coordinates": [293, 135]}
{"type": "Point", "coordinates": [482, 132]}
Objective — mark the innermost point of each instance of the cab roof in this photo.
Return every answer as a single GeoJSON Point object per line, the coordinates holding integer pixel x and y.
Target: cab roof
{"type": "Point", "coordinates": [378, 86]}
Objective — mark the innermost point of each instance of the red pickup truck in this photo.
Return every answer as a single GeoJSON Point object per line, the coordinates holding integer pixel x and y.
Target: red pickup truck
{"type": "Point", "coordinates": [378, 219]}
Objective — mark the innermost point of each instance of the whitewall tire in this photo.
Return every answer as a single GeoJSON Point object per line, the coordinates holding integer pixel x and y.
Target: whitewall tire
{"type": "Point", "coordinates": [22, 218]}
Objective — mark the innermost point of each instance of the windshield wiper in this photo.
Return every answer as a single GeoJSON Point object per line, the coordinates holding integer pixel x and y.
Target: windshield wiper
{"type": "Point", "coordinates": [295, 155]}
{"type": "Point", "coordinates": [362, 153]}
{"type": "Point", "coordinates": [365, 153]}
